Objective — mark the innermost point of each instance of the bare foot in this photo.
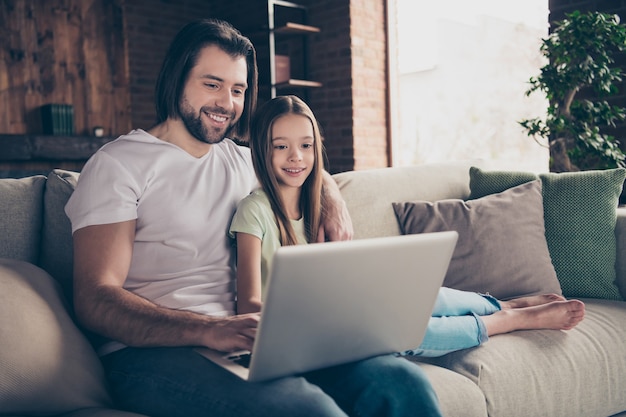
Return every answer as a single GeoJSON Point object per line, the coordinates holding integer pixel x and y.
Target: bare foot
{"type": "Point", "coordinates": [533, 300]}
{"type": "Point", "coordinates": [556, 315]}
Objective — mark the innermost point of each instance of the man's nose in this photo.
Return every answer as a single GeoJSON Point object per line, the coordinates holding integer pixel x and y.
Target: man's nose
{"type": "Point", "coordinates": [224, 99]}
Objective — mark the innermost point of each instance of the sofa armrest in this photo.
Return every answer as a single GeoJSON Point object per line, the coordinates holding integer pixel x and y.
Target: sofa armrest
{"type": "Point", "coordinates": [620, 236]}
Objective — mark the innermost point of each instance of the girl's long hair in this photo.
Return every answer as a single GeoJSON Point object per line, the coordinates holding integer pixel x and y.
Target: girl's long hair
{"type": "Point", "coordinates": [262, 149]}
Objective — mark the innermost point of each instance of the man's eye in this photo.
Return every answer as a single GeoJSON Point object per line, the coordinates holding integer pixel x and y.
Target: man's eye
{"type": "Point", "coordinates": [210, 85]}
{"type": "Point", "coordinates": [238, 92]}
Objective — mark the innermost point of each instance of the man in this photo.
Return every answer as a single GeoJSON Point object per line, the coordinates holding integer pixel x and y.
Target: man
{"type": "Point", "coordinates": [153, 268]}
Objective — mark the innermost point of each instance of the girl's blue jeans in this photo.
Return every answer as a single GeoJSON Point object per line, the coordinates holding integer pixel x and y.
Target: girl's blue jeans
{"type": "Point", "coordinates": [455, 323]}
{"type": "Point", "coordinates": [172, 382]}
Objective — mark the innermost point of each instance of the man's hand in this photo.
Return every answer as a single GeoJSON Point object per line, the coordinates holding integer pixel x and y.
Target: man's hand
{"type": "Point", "coordinates": [336, 221]}
{"type": "Point", "coordinates": [233, 333]}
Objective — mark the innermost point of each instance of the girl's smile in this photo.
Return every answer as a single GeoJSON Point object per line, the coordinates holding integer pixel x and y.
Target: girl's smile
{"type": "Point", "coordinates": [294, 171]}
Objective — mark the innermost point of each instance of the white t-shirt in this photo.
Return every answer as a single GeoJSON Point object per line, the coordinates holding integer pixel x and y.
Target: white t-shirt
{"type": "Point", "coordinates": [183, 206]}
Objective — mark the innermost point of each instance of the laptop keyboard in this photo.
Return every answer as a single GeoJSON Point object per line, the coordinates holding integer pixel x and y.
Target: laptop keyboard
{"type": "Point", "coordinates": [241, 359]}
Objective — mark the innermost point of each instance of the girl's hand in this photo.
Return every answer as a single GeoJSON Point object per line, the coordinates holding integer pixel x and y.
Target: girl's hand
{"type": "Point", "coordinates": [336, 220]}
{"type": "Point", "coordinates": [336, 225]}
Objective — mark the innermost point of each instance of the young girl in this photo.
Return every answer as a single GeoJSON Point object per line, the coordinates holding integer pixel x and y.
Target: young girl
{"type": "Point", "coordinates": [287, 154]}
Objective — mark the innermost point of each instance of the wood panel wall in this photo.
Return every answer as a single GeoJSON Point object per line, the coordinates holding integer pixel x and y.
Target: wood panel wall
{"type": "Point", "coordinates": [67, 52]}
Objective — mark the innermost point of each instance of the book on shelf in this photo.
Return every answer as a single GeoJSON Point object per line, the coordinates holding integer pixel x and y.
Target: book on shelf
{"type": "Point", "coordinates": [57, 119]}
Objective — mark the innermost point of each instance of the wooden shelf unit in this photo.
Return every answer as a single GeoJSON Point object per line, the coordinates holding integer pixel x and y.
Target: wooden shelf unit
{"type": "Point", "coordinates": [278, 28]}
{"type": "Point", "coordinates": [25, 155]}
{"type": "Point", "coordinates": [291, 28]}
{"type": "Point", "coordinates": [298, 83]}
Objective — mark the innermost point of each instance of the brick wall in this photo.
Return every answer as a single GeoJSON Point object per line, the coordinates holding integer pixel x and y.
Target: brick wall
{"type": "Point", "coordinates": [150, 27]}
{"type": "Point", "coordinates": [331, 64]}
{"type": "Point", "coordinates": [369, 79]}
{"type": "Point", "coordinates": [558, 9]}
{"type": "Point", "coordinates": [349, 58]}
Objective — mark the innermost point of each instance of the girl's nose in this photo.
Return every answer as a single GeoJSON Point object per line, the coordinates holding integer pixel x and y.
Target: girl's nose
{"type": "Point", "coordinates": [296, 155]}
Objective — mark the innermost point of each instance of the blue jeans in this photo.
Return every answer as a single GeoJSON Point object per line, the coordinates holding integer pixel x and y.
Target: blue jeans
{"type": "Point", "coordinates": [174, 382]}
{"type": "Point", "coordinates": [455, 323]}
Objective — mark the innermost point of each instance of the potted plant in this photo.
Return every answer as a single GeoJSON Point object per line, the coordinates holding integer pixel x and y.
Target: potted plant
{"type": "Point", "coordinates": [579, 76]}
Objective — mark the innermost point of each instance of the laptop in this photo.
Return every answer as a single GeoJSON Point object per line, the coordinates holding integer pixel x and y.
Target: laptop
{"type": "Point", "coordinates": [332, 303]}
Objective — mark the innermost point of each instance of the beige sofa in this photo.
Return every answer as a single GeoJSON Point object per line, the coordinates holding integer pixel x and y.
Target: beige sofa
{"type": "Point", "coordinates": [47, 366]}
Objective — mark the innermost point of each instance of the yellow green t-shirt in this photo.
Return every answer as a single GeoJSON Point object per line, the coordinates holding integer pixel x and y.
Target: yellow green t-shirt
{"type": "Point", "coordinates": [254, 216]}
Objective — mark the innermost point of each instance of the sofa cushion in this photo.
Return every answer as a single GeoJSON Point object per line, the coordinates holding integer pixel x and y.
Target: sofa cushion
{"type": "Point", "coordinates": [483, 183]}
{"type": "Point", "coordinates": [56, 240]}
{"type": "Point", "coordinates": [368, 193]}
{"type": "Point", "coordinates": [580, 218]}
{"type": "Point", "coordinates": [578, 372]}
{"type": "Point", "coordinates": [21, 204]}
{"type": "Point", "coordinates": [501, 248]}
{"type": "Point", "coordinates": [458, 395]}
{"type": "Point", "coordinates": [48, 367]}
{"type": "Point", "coordinates": [580, 227]}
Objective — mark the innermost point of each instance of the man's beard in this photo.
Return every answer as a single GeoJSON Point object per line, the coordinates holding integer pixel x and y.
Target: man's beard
{"type": "Point", "coordinates": [197, 129]}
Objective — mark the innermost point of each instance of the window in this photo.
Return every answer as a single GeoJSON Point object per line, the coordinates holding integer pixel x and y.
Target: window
{"type": "Point", "coordinates": [459, 77]}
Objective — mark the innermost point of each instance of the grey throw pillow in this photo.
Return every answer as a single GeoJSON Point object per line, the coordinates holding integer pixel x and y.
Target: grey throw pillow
{"type": "Point", "coordinates": [21, 204]}
{"type": "Point", "coordinates": [502, 247]}
{"type": "Point", "coordinates": [56, 240]}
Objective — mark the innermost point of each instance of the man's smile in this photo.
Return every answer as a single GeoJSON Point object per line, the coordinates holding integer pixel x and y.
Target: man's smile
{"type": "Point", "coordinates": [217, 118]}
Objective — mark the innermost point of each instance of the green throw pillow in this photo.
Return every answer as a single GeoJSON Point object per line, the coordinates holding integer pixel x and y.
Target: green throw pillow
{"type": "Point", "coordinates": [483, 183]}
{"type": "Point", "coordinates": [580, 218]}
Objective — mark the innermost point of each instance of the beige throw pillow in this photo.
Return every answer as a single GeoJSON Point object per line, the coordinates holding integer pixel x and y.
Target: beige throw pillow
{"type": "Point", "coordinates": [47, 367]}
{"type": "Point", "coordinates": [502, 247]}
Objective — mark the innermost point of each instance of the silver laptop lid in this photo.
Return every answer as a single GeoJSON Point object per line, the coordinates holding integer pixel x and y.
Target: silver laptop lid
{"type": "Point", "coordinates": [338, 302]}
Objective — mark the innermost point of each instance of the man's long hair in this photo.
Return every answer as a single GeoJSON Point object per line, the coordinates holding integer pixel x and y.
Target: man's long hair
{"type": "Point", "coordinates": [181, 57]}
{"type": "Point", "coordinates": [262, 149]}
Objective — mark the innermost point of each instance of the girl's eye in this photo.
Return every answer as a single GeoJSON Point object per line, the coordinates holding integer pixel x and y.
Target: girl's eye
{"type": "Point", "coordinates": [280, 147]}
{"type": "Point", "coordinates": [307, 145]}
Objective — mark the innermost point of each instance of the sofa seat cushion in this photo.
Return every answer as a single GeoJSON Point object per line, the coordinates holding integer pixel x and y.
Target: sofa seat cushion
{"type": "Point", "coordinates": [580, 372]}
{"type": "Point", "coordinates": [458, 395]}
{"type": "Point", "coordinates": [48, 367]}
{"type": "Point", "coordinates": [21, 205]}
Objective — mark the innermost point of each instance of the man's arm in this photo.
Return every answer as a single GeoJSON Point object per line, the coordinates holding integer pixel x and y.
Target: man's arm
{"type": "Point", "coordinates": [336, 221]}
{"type": "Point", "coordinates": [102, 256]}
